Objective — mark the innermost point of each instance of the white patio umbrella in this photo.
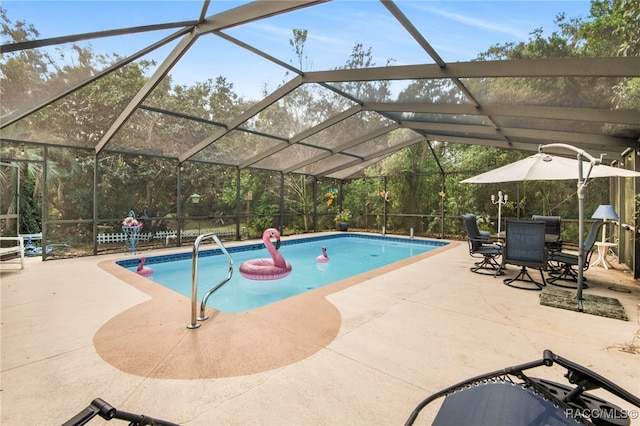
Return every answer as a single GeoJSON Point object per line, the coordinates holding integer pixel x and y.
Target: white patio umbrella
{"type": "Point", "coordinates": [542, 166]}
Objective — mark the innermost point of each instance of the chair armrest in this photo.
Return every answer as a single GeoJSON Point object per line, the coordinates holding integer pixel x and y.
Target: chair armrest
{"type": "Point", "coordinates": [18, 248]}
{"type": "Point", "coordinates": [19, 241]}
{"type": "Point", "coordinates": [485, 242]}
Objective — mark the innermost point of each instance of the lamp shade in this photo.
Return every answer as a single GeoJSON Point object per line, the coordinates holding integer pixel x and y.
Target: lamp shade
{"type": "Point", "coordinates": [605, 211]}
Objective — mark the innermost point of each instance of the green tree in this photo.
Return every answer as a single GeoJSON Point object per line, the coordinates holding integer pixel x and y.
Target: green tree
{"type": "Point", "coordinates": [612, 30]}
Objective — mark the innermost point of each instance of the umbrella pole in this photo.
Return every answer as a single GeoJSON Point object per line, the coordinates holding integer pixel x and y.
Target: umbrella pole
{"type": "Point", "coordinates": [581, 188]}
{"type": "Point", "coordinates": [581, 254]}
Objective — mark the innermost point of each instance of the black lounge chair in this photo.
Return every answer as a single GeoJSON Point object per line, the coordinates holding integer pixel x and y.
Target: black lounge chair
{"type": "Point", "coordinates": [480, 247]}
{"type": "Point", "coordinates": [525, 247]}
{"type": "Point", "coordinates": [510, 396]}
{"type": "Point", "coordinates": [99, 407]}
{"type": "Point", "coordinates": [564, 265]}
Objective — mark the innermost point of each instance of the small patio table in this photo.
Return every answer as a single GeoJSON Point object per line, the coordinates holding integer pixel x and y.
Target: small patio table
{"type": "Point", "coordinates": [603, 250]}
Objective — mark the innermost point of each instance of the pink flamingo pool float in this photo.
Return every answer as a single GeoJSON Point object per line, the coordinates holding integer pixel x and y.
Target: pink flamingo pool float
{"type": "Point", "coordinates": [324, 257]}
{"type": "Point", "coordinates": [267, 269]}
{"type": "Point", "coordinates": [145, 271]}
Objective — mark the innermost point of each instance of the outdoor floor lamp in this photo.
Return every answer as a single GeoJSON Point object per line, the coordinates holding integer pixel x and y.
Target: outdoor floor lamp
{"type": "Point", "coordinates": [582, 183]}
{"type": "Point", "coordinates": [605, 212]}
{"type": "Point", "coordinates": [502, 198]}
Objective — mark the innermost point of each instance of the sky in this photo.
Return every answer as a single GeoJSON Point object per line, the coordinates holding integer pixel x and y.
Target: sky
{"type": "Point", "coordinates": [458, 30]}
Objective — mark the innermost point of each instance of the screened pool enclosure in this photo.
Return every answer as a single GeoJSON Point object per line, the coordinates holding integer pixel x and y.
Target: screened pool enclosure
{"type": "Point", "coordinates": [237, 116]}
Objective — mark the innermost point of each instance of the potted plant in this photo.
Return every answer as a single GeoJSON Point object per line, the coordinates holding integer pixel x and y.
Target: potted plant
{"type": "Point", "coordinates": [342, 219]}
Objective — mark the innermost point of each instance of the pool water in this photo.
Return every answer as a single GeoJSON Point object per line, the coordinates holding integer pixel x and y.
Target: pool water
{"type": "Point", "coordinates": [349, 255]}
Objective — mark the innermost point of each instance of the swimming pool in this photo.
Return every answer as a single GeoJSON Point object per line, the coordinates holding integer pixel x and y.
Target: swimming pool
{"type": "Point", "coordinates": [349, 255]}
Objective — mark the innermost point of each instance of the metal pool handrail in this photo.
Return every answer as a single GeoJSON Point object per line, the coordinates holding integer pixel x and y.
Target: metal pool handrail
{"type": "Point", "coordinates": [194, 279]}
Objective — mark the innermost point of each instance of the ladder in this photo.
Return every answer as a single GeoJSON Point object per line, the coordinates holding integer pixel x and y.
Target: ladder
{"type": "Point", "coordinates": [194, 280]}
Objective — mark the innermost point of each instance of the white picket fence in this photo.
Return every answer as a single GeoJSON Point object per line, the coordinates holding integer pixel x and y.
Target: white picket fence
{"type": "Point", "coordinates": [167, 236]}
{"type": "Point", "coordinates": [121, 237]}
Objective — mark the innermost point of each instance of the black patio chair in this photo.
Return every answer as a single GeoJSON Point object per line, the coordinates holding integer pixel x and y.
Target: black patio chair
{"type": "Point", "coordinates": [564, 265]}
{"type": "Point", "coordinates": [525, 247]}
{"type": "Point", "coordinates": [552, 232]}
{"type": "Point", "coordinates": [480, 247]}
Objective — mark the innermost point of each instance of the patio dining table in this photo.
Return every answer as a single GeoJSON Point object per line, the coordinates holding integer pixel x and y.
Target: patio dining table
{"type": "Point", "coordinates": [552, 239]}
{"type": "Point", "coordinates": [549, 239]}
{"type": "Point", "coordinates": [553, 243]}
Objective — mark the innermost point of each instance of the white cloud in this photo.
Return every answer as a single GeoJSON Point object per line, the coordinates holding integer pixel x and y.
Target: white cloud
{"type": "Point", "coordinates": [495, 25]}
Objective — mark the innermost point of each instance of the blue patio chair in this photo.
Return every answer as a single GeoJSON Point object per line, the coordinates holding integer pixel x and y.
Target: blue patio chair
{"type": "Point", "coordinates": [480, 247]}
{"type": "Point", "coordinates": [565, 264]}
{"type": "Point", "coordinates": [525, 247]}
{"type": "Point", "coordinates": [552, 232]}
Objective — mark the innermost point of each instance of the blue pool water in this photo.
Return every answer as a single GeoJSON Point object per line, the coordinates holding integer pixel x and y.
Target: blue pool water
{"type": "Point", "coordinates": [349, 255]}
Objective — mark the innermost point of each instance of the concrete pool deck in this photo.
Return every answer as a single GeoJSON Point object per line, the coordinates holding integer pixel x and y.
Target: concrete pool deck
{"type": "Point", "coordinates": [357, 352]}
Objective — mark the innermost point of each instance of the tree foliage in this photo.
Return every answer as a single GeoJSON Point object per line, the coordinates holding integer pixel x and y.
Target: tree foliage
{"type": "Point", "coordinates": [174, 117]}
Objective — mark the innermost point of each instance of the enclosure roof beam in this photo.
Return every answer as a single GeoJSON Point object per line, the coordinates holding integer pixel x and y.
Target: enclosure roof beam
{"type": "Point", "coordinates": [417, 36]}
{"type": "Point", "coordinates": [7, 121]}
{"type": "Point", "coordinates": [339, 149]}
{"type": "Point", "coordinates": [327, 123]}
{"type": "Point", "coordinates": [303, 135]}
{"type": "Point", "coordinates": [253, 11]}
{"type": "Point", "coordinates": [308, 161]}
{"type": "Point", "coordinates": [173, 57]}
{"type": "Point", "coordinates": [619, 66]}
{"type": "Point", "coordinates": [211, 122]}
{"type": "Point", "coordinates": [203, 11]}
{"type": "Point", "coordinates": [411, 29]}
{"type": "Point", "coordinates": [365, 138]}
{"type": "Point", "coordinates": [570, 137]}
{"type": "Point", "coordinates": [255, 109]}
{"type": "Point", "coordinates": [517, 144]}
{"type": "Point", "coordinates": [34, 44]}
{"type": "Point", "coordinates": [258, 52]}
{"type": "Point", "coordinates": [379, 153]}
{"type": "Point", "coordinates": [524, 111]}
